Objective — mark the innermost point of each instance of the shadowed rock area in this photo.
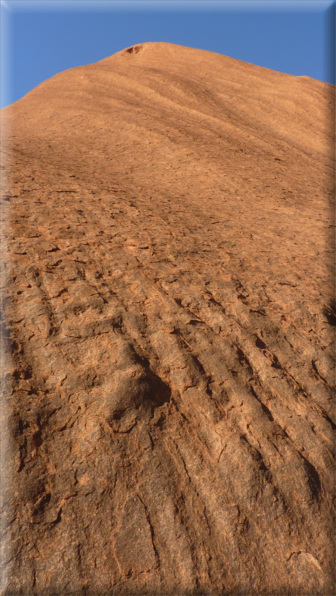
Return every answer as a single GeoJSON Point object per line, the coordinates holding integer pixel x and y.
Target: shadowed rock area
{"type": "Point", "coordinates": [167, 331]}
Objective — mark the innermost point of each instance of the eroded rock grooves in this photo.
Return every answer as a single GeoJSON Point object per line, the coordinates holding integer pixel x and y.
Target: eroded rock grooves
{"type": "Point", "coordinates": [167, 330]}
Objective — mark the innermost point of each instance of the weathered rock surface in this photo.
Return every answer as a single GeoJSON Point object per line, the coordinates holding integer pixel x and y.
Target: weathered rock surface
{"type": "Point", "coordinates": [167, 419]}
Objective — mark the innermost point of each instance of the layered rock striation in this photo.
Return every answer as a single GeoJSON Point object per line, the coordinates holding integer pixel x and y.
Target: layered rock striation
{"type": "Point", "coordinates": [167, 343]}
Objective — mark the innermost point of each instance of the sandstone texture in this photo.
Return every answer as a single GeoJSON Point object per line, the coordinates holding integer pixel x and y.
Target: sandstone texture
{"type": "Point", "coordinates": [167, 331]}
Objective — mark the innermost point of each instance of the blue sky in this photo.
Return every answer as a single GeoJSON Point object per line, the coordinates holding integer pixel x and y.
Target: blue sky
{"type": "Point", "coordinates": [42, 38]}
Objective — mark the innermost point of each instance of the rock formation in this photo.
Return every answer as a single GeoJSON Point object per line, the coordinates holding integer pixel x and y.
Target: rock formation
{"type": "Point", "coordinates": [167, 345]}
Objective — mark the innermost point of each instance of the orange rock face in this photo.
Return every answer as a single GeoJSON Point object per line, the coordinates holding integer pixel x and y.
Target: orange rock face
{"type": "Point", "coordinates": [167, 424]}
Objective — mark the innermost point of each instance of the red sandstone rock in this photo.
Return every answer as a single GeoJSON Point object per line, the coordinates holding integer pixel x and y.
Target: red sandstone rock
{"type": "Point", "coordinates": [167, 425]}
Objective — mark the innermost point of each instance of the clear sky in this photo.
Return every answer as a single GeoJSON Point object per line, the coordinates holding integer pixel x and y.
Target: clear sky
{"type": "Point", "coordinates": [42, 38]}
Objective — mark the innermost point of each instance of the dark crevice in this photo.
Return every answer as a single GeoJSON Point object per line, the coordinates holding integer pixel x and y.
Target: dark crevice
{"type": "Point", "coordinates": [329, 312]}
{"type": "Point", "coordinates": [313, 479]}
{"type": "Point", "coordinates": [264, 408]}
{"type": "Point", "coordinates": [318, 373]}
{"type": "Point", "coordinates": [243, 360]}
{"type": "Point", "coordinates": [260, 344]}
{"type": "Point", "coordinates": [58, 518]}
{"type": "Point", "coordinates": [160, 392]}
{"type": "Point", "coordinates": [134, 49]}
